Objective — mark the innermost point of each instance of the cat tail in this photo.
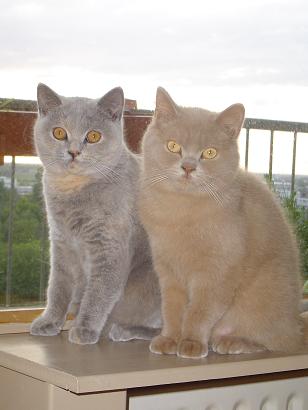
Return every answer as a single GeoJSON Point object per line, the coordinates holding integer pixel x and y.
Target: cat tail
{"type": "Point", "coordinates": [304, 317]}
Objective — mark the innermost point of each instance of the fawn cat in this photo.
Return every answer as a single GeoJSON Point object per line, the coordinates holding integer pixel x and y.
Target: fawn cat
{"type": "Point", "coordinates": [226, 258]}
{"type": "Point", "coordinates": [101, 266]}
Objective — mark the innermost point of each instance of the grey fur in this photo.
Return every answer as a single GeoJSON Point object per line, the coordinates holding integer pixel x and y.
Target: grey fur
{"type": "Point", "coordinates": [101, 266]}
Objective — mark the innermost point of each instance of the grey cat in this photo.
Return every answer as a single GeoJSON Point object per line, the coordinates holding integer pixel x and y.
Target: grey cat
{"type": "Point", "coordinates": [101, 267]}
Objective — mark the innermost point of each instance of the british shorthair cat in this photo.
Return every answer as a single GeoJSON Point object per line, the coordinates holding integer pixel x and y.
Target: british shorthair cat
{"type": "Point", "coordinates": [226, 258]}
{"type": "Point", "coordinates": [101, 268]}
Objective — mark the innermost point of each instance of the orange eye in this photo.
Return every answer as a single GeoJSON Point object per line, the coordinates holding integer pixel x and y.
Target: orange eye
{"type": "Point", "coordinates": [209, 153]}
{"type": "Point", "coordinates": [93, 136]}
{"type": "Point", "coordinates": [174, 147]}
{"type": "Point", "coordinates": [59, 133]}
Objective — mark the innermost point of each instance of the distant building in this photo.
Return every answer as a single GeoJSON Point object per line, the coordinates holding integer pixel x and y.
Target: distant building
{"type": "Point", "coordinates": [24, 189]}
{"type": "Point", "coordinates": [282, 187]}
{"type": "Point", "coordinates": [6, 181]}
{"type": "Point", "coordinates": [302, 202]}
{"type": "Point", "coordinates": [21, 189]}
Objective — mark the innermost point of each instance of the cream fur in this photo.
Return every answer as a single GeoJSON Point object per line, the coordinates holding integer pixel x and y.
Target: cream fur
{"type": "Point", "coordinates": [225, 255]}
{"type": "Point", "coordinates": [69, 183]}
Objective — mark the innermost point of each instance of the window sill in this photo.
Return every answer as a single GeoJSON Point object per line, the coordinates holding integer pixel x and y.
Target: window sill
{"type": "Point", "coordinates": [28, 314]}
{"type": "Point", "coordinates": [19, 315]}
{"type": "Point", "coordinates": [18, 320]}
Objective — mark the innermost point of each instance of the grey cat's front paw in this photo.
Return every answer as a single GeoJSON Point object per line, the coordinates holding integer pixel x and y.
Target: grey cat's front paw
{"type": "Point", "coordinates": [83, 335]}
{"type": "Point", "coordinates": [42, 326]}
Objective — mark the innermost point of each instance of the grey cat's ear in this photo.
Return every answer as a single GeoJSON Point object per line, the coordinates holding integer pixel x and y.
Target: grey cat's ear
{"type": "Point", "coordinates": [231, 119]}
{"type": "Point", "coordinates": [165, 106]}
{"type": "Point", "coordinates": [47, 99]}
{"type": "Point", "coordinates": [112, 103]}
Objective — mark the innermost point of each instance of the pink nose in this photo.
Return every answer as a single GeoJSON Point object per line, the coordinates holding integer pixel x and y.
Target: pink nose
{"type": "Point", "coordinates": [74, 153]}
{"type": "Point", "coordinates": [188, 168]}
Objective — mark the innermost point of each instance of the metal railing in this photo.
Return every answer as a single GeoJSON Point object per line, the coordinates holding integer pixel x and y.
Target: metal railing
{"type": "Point", "coordinates": [272, 126]}
{"type": "Point", "coordinates": [269, 126]}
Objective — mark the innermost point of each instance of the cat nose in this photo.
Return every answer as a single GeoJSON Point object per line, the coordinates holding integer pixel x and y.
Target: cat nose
{"type": "Point", "coordinates": [188, 167]}
{"type": "Point", "coordinates": [74, 153]}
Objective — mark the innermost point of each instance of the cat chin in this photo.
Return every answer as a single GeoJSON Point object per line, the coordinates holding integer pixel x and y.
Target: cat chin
{"type": "Point", "coordinates": [184, 187]}
{"type": "Point", "coordinates": [75, 168]}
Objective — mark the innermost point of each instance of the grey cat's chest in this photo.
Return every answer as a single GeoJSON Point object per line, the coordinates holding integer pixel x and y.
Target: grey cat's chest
{"type": "Point", "coordinates": [73, 214]}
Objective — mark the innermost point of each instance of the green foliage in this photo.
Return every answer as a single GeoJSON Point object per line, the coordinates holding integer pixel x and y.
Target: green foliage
{"type": "Point", "coordinates": [30, 261]}
{"type": "Point", "coordinates": [25, 281]}
{"type": "Point", "coordinates": [306, 288]}
{"type": "Point", "coordinates": [299, 218]}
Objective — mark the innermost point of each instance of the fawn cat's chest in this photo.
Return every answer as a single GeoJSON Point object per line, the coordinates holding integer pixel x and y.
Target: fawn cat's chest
{"type": "Point", "coordinates": [191, 230]}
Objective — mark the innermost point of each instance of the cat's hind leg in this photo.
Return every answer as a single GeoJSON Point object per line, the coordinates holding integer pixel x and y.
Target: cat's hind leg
{"type": "Point", "coordinates": [263, 315]}
{"type": "Point", "coordinates": [234, 345]}
{"type": "Point", "coordinates": [124, 333]}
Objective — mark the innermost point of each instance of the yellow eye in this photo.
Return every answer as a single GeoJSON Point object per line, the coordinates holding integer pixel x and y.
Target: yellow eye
{"type": "Point", "coordinates": [174, 147]}
{"type": "Point", "coordinates": [209, 153]}
{"type": "Point", "coordinates": [59, 133]}
{"type": "Point", "coordinates": [93, 136]}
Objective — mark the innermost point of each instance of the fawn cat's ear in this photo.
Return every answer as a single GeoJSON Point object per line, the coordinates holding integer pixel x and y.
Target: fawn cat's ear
{"type": "Point", "coordinates": [231, 119]}
{"type": "Point", "coordinates": [165, 107]}
{"type": "Point", "coordinates": [112, 103]}
{"type": "Point", "coordinates": [47, 99]}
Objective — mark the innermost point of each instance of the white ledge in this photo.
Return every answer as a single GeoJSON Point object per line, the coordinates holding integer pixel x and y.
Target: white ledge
{"type": "Point", "coordinates": [119, 366]}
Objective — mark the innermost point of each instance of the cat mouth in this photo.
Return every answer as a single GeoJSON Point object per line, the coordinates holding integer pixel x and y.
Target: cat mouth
{"type": "Point", "coordinates": [72, 164]}
{"type": "Point", "coordinates": [186, 177]}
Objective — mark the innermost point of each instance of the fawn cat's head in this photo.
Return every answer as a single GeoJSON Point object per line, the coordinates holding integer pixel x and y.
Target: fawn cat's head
{"type": "Point", "coordinates": [191, 149]}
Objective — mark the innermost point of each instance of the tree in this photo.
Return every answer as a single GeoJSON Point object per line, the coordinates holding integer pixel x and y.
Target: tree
{"type": "Point", "coordinates": [30, 261]}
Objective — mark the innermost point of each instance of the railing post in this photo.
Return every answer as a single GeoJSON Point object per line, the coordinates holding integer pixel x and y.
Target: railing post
{"type": "Point", "coordinates": [9, 265]}
{"type": "Point", "coordinates": [293, 163]}
{"type": "Point", "coordinates": [270, 167]}
{"type": "Point", "coordinates": [43, 261]}
{"type": "Point", "coordinates": [247, 149]}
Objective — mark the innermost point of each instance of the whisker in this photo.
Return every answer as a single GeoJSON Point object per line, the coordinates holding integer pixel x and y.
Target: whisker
{"type": "Point", "coordinates": [211, 193]}
{"type": "Point", "coordinates": [211, 189]}
{"type": "Point", "coordinates": [155, 181]}
{"type": "Point", "coordinates": [109, 178]}
{"type": "Point", "coordinates": [98, 163]}
{"type": "Point", "coordinates": [50, 163]}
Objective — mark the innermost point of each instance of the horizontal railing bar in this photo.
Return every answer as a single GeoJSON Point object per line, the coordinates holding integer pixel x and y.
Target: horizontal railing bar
{"type": "Point", "coordinates": [260, 124]}
{"type": "Point", "coordinates": [16, 129]}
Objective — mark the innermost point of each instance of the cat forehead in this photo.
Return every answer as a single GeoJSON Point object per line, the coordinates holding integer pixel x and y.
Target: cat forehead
{"type": "Point", "coordinates": [195, 126]}
{"type": "Point", "coordinates": [75, 110]}
{"type": "Point", "coordinates": [75, 106]}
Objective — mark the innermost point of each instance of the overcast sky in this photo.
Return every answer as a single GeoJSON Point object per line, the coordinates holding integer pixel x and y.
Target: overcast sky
{"type": "Point", "coordinates": [205, 53]}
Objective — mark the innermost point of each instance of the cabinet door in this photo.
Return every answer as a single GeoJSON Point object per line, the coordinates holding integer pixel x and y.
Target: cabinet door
{"type": "Point", "coordinates": [289, 394]}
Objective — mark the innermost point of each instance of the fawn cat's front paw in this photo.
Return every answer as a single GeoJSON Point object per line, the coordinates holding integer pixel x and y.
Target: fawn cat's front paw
{"type": "Point", "coordinates": [83, 335]}
{"type": "Point", "coordinates": [43, 326]}
{"type": "Point", "coordinates": [163, 345]}
{"type": "Point", "coordinates": [192, 349]}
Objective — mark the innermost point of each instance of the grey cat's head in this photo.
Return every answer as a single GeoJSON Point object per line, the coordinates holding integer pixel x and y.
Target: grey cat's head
{"type": "Point", "coordinates": [191, 149]}
{"type": "Point", "coordinates": [79, 136]}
